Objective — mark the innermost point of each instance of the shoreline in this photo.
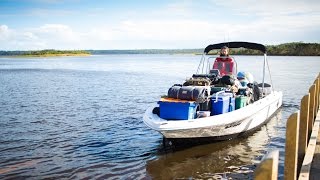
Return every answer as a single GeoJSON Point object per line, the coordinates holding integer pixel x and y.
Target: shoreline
{"type": "Point", "coordinates": [173, 54]}
{"type": "Point", "coordinates": [48, 55]}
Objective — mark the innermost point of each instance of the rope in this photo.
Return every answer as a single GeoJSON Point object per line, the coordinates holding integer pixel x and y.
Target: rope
{"type": "Point", "coordinates": [208, 65]}
{"type": "Point", "coordinates": [270, 74]}
{"type": "Point", "coordinates": [201, 62]}
{"type": "Point", "coordinates": [204, 65]}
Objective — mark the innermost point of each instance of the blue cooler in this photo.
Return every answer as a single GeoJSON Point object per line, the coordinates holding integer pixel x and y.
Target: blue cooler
{"type": "Point", "coordinates": [177, 109]}
{"type": "Point", "coordinates": [222, 103]}
{"type": "Point", "coordinates": [232, 105]}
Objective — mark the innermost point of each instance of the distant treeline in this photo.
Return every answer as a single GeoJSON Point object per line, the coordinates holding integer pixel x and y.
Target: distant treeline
{"type": "Point", "coordinates": [47, 52]}
{"type": "Point", "coordinates": [287, 49]}
{"type": "Point", "coordinates": [147, 51]}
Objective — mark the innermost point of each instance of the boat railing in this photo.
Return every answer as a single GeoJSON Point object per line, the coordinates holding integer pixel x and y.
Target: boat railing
{"type": "Point", "coordinates": [301, 140]}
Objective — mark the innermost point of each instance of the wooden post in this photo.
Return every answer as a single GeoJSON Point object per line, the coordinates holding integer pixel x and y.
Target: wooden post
{"type": "Point", "coordinates": [319, 91]}
{"type": "Point", "coordinates": [303, 129]}
{"type": "Point", "coordinates": [311, 157]}
{"type": "Point", "coordinates": [317, 83]}
{"type": "Point", "coordinates": [311, 107]}
{"type": "Point", "coordinates": [291, 153]}
{"type": "Point", "coordinates": [316, 97]}
{"type": "Point", "coordinates": [268, 168]}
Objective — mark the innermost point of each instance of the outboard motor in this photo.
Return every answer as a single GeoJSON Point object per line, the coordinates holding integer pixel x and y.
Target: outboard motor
{"type": "Point", "coordinates": [256, 91]}
{"type": "Point", "coordinates": [267, 89]}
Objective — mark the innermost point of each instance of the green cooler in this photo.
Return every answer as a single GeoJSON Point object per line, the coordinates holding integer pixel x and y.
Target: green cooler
{"type": "Point", "coordinates": [241, 101]}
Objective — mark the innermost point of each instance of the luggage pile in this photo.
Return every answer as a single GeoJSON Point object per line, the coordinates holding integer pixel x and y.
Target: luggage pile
{"type": "Point", "coordinates": [205, 95]}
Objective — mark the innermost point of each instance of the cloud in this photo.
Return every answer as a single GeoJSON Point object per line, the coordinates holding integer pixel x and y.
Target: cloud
{"type": "Point", "coordinates": [11, 39]}
{"type": "Point", "coordinates": [176, 25]}
{"type": "Point", "coordinates": [54, 1]}
{"type": "Point", "coordinates": [41, 12]}
{"type": "Point", "coordinates": [44, 37]}
{"type": "Point", "coordinates": [149, 34]}
{"type": "Point", "coordinates": [273, 21]}
{"type": "Point", "coordinates": [181, 8]}
{"type": "Point", "coordinates": [4, 32]}
{"type": "Point", "coordinates": [271, 7]}
{"type": "Point", "coordinates": [56, 31]}
{"type": "Point", "coordinates": [124, 35]}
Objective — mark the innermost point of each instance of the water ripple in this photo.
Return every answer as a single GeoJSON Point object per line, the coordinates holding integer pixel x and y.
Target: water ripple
{"type": "Point", "coordinates": [81, 118]}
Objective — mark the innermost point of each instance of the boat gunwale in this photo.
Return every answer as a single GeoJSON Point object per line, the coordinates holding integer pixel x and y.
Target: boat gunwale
{"type": "Point", "coordinates": [163, 125]}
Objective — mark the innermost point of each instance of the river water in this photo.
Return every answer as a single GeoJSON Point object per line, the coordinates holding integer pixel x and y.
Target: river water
{"type": "Point", "coordinates": [81, 118]}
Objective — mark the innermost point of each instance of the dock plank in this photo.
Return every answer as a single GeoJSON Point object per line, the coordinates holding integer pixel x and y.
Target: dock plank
{"type": "Point", "coordinates": [315, 165]}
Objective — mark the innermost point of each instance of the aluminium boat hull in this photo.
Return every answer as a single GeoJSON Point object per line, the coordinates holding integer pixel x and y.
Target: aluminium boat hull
{"type": "Point", "coordinates": [219, 127]}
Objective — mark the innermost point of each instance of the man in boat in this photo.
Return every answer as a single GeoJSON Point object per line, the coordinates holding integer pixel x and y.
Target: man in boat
{"type": "Point", "coordinates": [224, 52]}
{"type": "Point", "coordinates": [227, 67]}
{"type": "Point", "coordinates": [225, 64]}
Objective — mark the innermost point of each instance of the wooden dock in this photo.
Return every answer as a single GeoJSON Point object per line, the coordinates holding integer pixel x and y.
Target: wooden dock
{"type": "Point", "coordinates": [315, 165]}
{"type": "Point", "coordinates": [302, 150]}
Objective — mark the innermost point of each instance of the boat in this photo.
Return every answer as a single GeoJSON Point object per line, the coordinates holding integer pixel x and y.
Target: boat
{"type": "Point", "coordinates": [182, 116]}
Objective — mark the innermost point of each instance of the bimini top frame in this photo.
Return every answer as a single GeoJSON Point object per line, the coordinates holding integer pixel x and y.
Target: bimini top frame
{"type": "Point", "coordinates": [240, 44]}
{"type": "Point", "coordinates": [235, 44]}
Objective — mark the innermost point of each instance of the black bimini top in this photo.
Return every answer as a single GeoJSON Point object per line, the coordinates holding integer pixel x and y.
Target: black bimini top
{"type": "Point", "coordinates": [248, 45]}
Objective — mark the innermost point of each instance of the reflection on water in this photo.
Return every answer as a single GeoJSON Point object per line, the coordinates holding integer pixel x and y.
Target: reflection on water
{"type": "Point", "coordinates": [227, 159]}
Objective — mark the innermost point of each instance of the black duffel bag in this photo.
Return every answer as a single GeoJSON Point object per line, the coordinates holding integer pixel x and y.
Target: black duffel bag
{"type": "Point", "coordinates": [200, 93]}
{"type": "Point", "coordinates": [192, 93]}
{"type": "Point", "coordinates": [228, 80]}
{"type": "Point", "coordinates": [174, 91]}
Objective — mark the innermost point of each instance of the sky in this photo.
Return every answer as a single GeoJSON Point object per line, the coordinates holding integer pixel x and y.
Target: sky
{"type": "Point", "coordinates": [145, 24]}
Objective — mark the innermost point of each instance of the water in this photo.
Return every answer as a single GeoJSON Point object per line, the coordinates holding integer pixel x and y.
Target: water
{"type": "Point", "coordinates": [81, 118]}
